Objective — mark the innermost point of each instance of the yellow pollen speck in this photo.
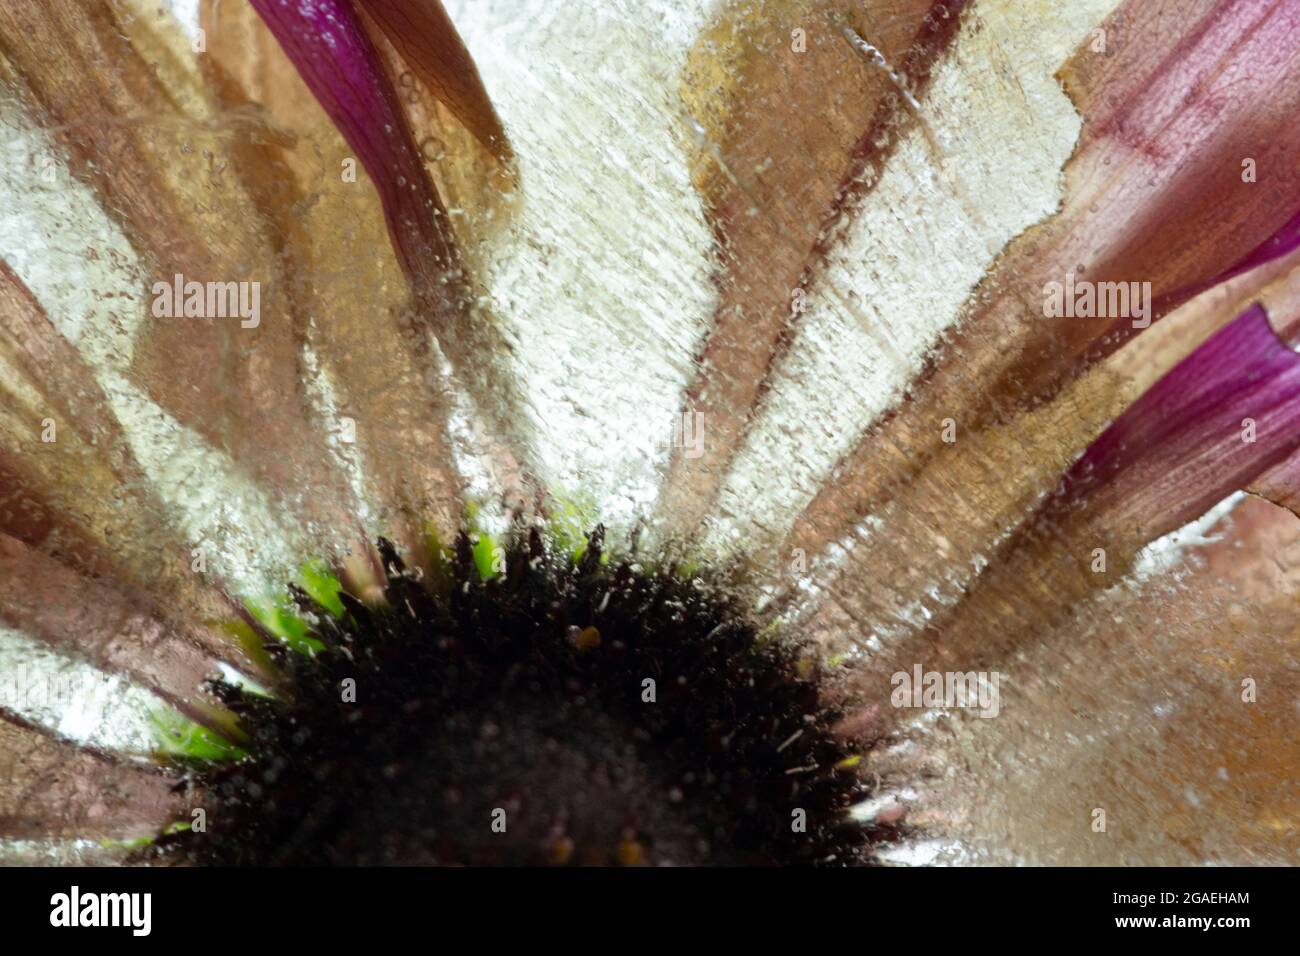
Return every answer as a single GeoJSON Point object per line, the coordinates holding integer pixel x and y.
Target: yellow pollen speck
{"type": "Point", "coordinates": [561, 851]}
{"type": "Point", "coordinates": [631, 853]}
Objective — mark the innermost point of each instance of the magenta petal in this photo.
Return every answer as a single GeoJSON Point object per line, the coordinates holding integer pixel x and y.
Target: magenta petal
{"type": "Point", "coordinates": [1184, 445]}
{"type": "Point", "coordinates": [1284, 241]}
{"type": "Point", "coordinates": [331, 50]}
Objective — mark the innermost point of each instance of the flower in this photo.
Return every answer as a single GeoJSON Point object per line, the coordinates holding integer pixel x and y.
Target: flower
{"type": "Point", "coordinates": [932, 362]}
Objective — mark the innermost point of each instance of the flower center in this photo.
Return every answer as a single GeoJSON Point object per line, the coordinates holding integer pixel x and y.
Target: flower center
{"type": "Point", "coordinates": [560, 712]}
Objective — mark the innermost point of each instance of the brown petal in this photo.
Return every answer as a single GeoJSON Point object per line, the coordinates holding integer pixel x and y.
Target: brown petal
{"type": "Point", "coordinates": [428, 42]}
{"type": "Point", "coordinates": [81, 496]}
{"type": "Point", "coordinates": [795, 137]}
{"type": "Point", "coordinates": [50, 788]}
{"type": "Point", "coordinates": [101, 622]}
{"type": "Point", "coordinates": [1137, 706]}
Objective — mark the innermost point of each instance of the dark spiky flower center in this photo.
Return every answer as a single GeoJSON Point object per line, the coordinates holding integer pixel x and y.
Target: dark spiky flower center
{"type": "Point", "coordinates": [565, 710]}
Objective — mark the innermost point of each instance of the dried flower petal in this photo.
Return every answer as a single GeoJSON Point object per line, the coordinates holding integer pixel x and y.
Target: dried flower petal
{"type": "Point", "coordinates": [1228, 412]}
{"type": "Point", "coordinates": [334, 56]}
{"type": "Point", "coordinates": [428, 42]}
{"type": "Point", "coordinates": [50, 788]}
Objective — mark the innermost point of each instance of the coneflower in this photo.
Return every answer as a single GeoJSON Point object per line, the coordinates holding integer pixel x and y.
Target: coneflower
{"type": "Point", "coordinates": [670, 432]}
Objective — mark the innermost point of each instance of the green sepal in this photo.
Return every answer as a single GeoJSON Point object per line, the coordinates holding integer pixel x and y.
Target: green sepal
{"type": "Point", "coordinates": [281, 619]}
{"type": "Point", "coordinates": [179, 738]}
{"type": "Point", "coordinates": [320, 583]}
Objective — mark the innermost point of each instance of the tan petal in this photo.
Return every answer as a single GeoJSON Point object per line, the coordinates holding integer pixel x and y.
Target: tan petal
{"type": "Point", "coordinates": [345, 276]}
{"type": "Point", "coordinates": [143, 132]}
{"type": "Point", "coordinates": [796, 129]}
{"type": "Point", "coordinates": [82, 494]}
